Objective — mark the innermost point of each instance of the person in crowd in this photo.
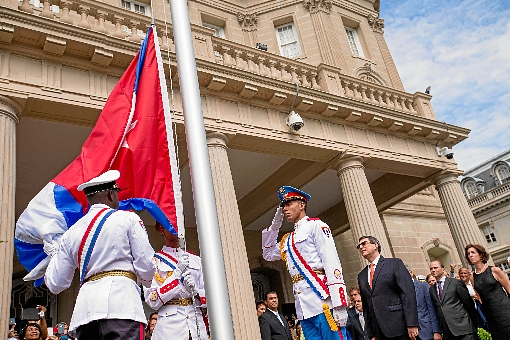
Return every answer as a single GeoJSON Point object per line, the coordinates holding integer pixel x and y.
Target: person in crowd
{"type": "Point", "coordinates": [13, 335]}
{"type": "Point", "coordinates": [465, 277]}
{"type": "Point", "coordinates": [292, 328]}
{"type": "Point", "coordinates": [427, 317]}
{"type": "Point", "coordinates": [356, 320]}
{"type": "Point", "coordinates": [108, 305]}
{"type": "Point", "coordinates": [151, 323]}
{"type": "Point", "coordinates": [387, 294]}
{"type": "Point", "coordinates": [313, 263]}
{"type": "Point", "coordinates": [299, 331]}
{"type": "Point", "coordinates": [177, 292]}
{"type": "Point", "coordinates": [273, 325]}
{"type": "Point", "coordinates": [431, 280]}
{"type": "Point", "coordinates": [454, 307]}
{"type": "Point", "coordinates": [261, 307]}
{"type": "Point", "coordinates": [32, 332]}
{"type": "Point", "coordinates": [493, 286]}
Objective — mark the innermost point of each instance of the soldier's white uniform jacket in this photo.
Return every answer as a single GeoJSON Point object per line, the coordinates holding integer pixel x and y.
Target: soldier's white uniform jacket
{"type": "Point", "coordinates": [122, 244]}
{"type": "Point", "coordinates": [309, 247]}
{"type": "Point", "coordinates": [176, 321]}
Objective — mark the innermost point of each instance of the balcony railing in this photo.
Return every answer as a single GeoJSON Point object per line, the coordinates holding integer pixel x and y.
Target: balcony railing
{"type": "Point", "coordinates": [126, 25]}
{"type": "Point", "coordinates": [490, 195]}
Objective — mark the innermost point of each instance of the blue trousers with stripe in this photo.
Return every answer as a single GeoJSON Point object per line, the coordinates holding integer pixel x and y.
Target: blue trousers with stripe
{"type": "Point", "coordinates": [317, 328]}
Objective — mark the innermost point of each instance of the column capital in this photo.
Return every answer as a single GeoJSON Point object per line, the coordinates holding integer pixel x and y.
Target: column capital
{"type": "Point", "coordinates": [315, 6]}
{"type": "Point", "coordinates": [344, 162]}
{"type": "Point", "coordinates": [217, 139]}
{"type": "Point", "coordinates": [447, 176]}
{"type": "Point", "coordinates": [376, 23]}
{"type": "Point", "coordinates": [10, 108]}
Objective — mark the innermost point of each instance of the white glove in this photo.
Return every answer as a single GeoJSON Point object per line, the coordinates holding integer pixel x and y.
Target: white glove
{"type": "Point", "coordinates": [182, 265]}
{"type": "Point", "coordinates": [340, 316]}
{"type": "Point", "coordinates": [278, 219]}
{"type": "Point", "coordinates": [189, 282]}
{"type": "Point", "coordinates": [50, 248]}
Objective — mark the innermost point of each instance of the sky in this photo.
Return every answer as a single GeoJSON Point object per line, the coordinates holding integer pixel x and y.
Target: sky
{"type": "Point", "coordinates": [462, 49]}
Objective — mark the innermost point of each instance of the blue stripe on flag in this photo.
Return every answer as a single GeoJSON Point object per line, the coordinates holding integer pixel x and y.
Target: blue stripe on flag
{"type": "Point", "coordinates": [29, 254]}
{"type": "Point", "coordinates": [141, 58]}
{"type": "Point", "coordinates": [93, 242]}
{"type": "Point", "coordinates": [139, 204]}
{"type": "Point", "coordinates": [67, 205]}
{"type": "Point", "coordinates": [162, 259]}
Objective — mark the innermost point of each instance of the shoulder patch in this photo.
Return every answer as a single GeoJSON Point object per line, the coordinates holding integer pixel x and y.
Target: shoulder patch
{"type": "Point", "coordinates": [326, 231]}
{"type": "Point", "coordinates": [313, 219]}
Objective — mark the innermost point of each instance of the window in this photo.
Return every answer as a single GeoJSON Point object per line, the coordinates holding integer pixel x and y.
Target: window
{"type": "Point", "coordinates": [503, 173]}
{"type": "Point", "coordinates": [488, 231]}
{"type": "Point", "coordinates": [136, 7]}
{"type": "Point", "coordinates": [504, 266]}
{"type": "Point", "coordinates": [218, 30]}
{"type": "Point", "coordinates": [40, 4]}
{"type": "Point", "coordinates": [470, 189]}
{"type": "Point", "coordinates": [354, 44]}
{"type": "Point", "coordinates": [288, 40]}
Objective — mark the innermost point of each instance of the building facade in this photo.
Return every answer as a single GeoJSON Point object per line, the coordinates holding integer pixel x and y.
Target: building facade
{"type": "Point", "coordinates": [366, 152]}
{"type": "Point", "coordinates": [487, 190]}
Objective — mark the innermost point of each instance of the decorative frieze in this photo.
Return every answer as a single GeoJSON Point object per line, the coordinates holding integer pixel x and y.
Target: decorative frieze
{"type": "Point", "coordinates": [376, 23]}
{"type": "Point", "coordinates": [315, 6]}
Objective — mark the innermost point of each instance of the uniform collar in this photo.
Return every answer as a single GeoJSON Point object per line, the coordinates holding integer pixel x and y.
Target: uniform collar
{"type": "Point", "coordinates": [170, 250]}
{"type": "Point", "coordinates": [301, 221]}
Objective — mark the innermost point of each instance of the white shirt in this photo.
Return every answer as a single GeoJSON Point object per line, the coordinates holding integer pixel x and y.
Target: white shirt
{"type": "Point", "coordinates": [375, 262]}
{"type": "Point", "coordinates": [122, 244]}
{"type": "Point", "coordinates": [314, 241]}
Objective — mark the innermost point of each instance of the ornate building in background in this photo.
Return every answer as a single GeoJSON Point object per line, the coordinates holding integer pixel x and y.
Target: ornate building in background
{"type": "Point", "coordinates": [487, 189]}
{"type": "Point", "coordinates": [366, 152]}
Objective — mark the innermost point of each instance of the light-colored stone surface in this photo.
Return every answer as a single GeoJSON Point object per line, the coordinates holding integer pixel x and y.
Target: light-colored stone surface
{"type": "Point", "coordinates": [363, 216]}
{"type": "Point", "coordinates": [462, 223]}
{"type": "Point", "coordinates": [231, 232]}
{"type": "Point", "coordinates": [9, 112]}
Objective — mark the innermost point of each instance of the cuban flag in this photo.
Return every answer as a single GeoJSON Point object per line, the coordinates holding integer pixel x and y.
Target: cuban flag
{"type": "Point", "coordinates": [133, 135]}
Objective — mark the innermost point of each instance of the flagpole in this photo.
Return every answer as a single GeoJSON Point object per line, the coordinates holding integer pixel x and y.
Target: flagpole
{"type": "Point", "coordinates": [213, 266]}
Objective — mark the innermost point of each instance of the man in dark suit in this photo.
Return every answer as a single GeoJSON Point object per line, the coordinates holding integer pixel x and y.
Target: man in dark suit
{"type": "Point", "coordinates": [355, 318]}
{"type": "Point", "coordinates": [387, 294]}
{"type": "Point", "coordinates": [454, 306]}
{"type": "Point", "coordinates": [427, 317]}
{"type": "Point", "coordinates": [273, 325]}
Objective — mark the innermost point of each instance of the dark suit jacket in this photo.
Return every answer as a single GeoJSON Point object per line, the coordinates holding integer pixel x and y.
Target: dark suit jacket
{"type": "Point", "coordinates": [272, 329]}
{"type": "Point", "coordinates": [391, 302]}
{"type": "Point", "coordinates": [427, 316]}
{"type": "Point", "coordinates": [456, 310]}
{"type": "Point", "coordinates": [354, 326]}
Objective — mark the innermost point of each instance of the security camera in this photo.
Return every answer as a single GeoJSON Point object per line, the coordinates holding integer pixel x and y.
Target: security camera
{"type": "Point", "coordinates": [447, 152]}
{"type": "Point", "coordinates": [294, 121]}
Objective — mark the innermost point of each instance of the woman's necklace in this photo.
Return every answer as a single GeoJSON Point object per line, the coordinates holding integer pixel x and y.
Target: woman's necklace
{"type": "Point", "coordinates": [483, 269]}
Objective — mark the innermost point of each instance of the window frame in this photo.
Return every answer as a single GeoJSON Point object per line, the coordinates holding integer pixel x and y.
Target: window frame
{"type": "Point", "coordinates": [489, 234]}
{"type": "Point", "coordinates": [469, 193]}
{"type": "Point", "coordinates": [132, 4]}
{"type": "Point", "coordinates": [356, 42]}
{"type": "Point", "coordinates": [502, 168]}
{"type": "Point", "coordinates": [217, 29]}
{"type": "Point", "coordinates": [296, 37]}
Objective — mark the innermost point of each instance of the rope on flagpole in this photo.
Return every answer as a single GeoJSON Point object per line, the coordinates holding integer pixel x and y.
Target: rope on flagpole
{"type": "Point", "coordinates": [181, 231]}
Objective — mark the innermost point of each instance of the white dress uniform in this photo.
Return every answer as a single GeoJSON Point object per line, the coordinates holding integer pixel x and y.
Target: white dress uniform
{"type": "Point", "coordinates": [177, 321]}
{"type": "Point", "coordinates": [122, 245]}
{"type": "Point", "coordinates": [313, 240]}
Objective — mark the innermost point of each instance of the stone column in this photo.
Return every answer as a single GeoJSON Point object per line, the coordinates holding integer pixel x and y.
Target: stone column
{"type": "Point", "coordinates": [237, 268]}
{"type": "Point", "coordinates": [462, 223]}
{"type": "Point", "coordinates": [9, 112]}
{"type": "Point", "coordinates": [361, 210]}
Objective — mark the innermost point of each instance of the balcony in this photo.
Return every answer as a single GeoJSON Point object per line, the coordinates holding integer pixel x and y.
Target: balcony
{"type": "Point", "coordinates": [490, 198]}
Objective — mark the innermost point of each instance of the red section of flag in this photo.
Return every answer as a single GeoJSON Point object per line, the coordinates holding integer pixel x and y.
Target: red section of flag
{"type": "Point", "coordinates": [143, 158]}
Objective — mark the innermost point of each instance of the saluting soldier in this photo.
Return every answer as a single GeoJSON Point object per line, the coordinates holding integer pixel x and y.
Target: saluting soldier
{"type": "Point", "coordinates": [177, 292]}
{"type": "Point", "coordinates": [112, 252]}
{"type": "Point", "coordinates": [313, 263]}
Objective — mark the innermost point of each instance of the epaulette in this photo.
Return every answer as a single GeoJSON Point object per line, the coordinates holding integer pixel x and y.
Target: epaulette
{"type": "Point", "coordinates": [313, 219]}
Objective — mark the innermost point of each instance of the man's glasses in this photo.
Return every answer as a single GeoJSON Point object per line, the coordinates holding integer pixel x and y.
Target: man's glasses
{"type": "Point", "coordinates": [362, 244]}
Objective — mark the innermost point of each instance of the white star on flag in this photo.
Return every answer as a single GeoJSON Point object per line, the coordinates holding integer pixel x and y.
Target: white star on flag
{"type": "Point", "coordinates": [131, 127]}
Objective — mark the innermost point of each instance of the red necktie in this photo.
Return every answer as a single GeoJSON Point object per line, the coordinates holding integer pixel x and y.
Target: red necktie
{"type": "Point", "coordinates": [371, 273]}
